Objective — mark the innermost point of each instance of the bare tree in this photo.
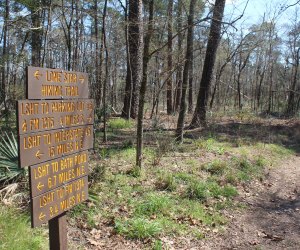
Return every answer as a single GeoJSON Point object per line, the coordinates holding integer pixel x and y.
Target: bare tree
{"type": "Point", "coordinates": [170, 59]}
{"type": "Point", "coordinates": [188, 58]}
{"type": "Point", "coordinates": [199, 116]}
{"type": "Point", "coordinates": [135, 44]}
{"type": "Point", "coordinates": [146, 59]}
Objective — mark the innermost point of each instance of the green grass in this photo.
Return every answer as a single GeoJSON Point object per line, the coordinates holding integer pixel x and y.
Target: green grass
{"type": "Point", "coordinates": [138, 228]}
{"type": "Point", "coordinates": [216, 167]}
{"type": "Point", "coordinates": [16, 234]}
{"type": "Point", "coordinates": [211, 145]}
{"type": "Point", "coordinates": [202, 190]}
{"type": "Point", "coordinates": [166, 181]}
{"type": "Point", "coordinates": [119, 123]}
{"type": "Point", "coordinates": [176, 194]}
{"type": "Point", "coordinates": [154, 203]}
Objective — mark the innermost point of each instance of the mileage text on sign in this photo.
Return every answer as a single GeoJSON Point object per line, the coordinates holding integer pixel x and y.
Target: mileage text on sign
{"type": "Point", "coordinates": [35, 116]}
{"type": "Point", "coordinates": [59, 200]}
{"type": "Point", "coordinates": [48, 145]}
{"type": "Point", "coordinates": [52, 174]}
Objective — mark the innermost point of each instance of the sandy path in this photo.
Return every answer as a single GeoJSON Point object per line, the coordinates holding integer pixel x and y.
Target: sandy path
{"type": "Point", "coordinates": [272, 218]}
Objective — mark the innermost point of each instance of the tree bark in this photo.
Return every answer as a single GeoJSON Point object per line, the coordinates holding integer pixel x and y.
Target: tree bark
{"type": "Point", "coordinates": [128, 81]}
{"type": "Point", "coordinates": [170, 59]}
{"type": "Point", "coordinates": [199, 117]}
{"type": "Point", "coordinates": [191, 79]}
{"type": "Point", "coordinates": [4, 57]}
{"type": "Point", "coordinates": [180, 67]}
{"type": "Point", "coordinates": [143, 88]}
{"type": "Point", "coordinates": [36, 35]}
{"type": "Point", "coordinates": [291, 104]}
{"type": "Point", "coordinates": [135, 40]}
{"type": "Point", "coordinates": [188, 57]}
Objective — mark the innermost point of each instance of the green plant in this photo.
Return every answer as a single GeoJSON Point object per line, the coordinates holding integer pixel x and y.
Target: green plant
{"type": "Point", "coordinates": [215, 167]}
{"type": "Point", "coordinates": [98, 174]}
{"type": "Point", "coordinates": [135, 172]}
{"type": "Point", "coordinates": [9, 163]}
{"type": "Point", "coordinates": [137, 228]}
{"type": "Point", "coordinates": [203, 190]}
{"type": "Point", "coordinates": [119, 123]}
{"type": "Point", "coordinates": [157, 245]}
{"type": "Point", "coordinates": [185, 177]}
{"type": "Point", "coordinates": [15, 231]}
{"type": "Point", "coordinates": [229, 191]}
{"type": "Point", "coordinates": [166, 181]}
{"type": "Point", "coordinates": [197, 190]}
{"type": "Point", "coordinates": [154, 204]}
{"type": "Point", "coordinates": [211, 145]}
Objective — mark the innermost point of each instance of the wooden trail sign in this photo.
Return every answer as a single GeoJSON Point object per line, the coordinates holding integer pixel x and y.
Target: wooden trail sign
{"type": "Point", "coordinates": [55, 129]}
{"type": "Point", "coordinates": [35, 116]}
{"type": "Point", "coordinates": [46, 83]}
{"type": "Point", "coordinates": [52, 174]}
{"type": "Point", "coordinates": [57, 201]}
{"type": "Point", "coordinates": [48, 145]}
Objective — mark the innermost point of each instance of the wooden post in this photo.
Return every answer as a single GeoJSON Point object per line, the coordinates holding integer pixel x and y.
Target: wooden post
{"type": "Point", "coordinates": [58, 233]}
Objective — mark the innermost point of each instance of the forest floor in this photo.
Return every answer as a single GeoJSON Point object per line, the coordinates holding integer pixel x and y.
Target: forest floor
{"type": "Point", "coordinates": [264, 215]}
{"type": "Point", "coordinates": [232, 185]}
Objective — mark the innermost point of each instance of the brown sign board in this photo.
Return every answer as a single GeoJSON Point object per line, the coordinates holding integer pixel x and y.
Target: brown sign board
{"type": "Point", "coordinates": [35, 116]}
{"type": "Point", "coordinates": [44, 83]}
{"type": "Point", "coordinates": [55, 202]}
{"type": "Point", "coordinates": [43, 146]}
{"type": "Point", "coordinates": [52, 174]}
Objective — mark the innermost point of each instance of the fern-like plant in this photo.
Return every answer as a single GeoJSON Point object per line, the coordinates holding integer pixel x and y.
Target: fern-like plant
{"type": "Point", "coordinates": [9, 161]}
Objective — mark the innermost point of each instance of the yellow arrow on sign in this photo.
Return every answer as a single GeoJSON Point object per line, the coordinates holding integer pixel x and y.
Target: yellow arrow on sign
{"type": "Point", "coordinates": [89, 118]}
{"type": "Point", "coordinates": [24, 126]}
{"type": "Point", "coordinates": [37, 74]}
{"type": "Point", "coordinates": [42, 216]}
{"type": "Point", "coordinates": [40, 186]}
{"type": "Point", "coordinates": [81, 78]}
{"type": "Point", "coordinates": [38, 154]}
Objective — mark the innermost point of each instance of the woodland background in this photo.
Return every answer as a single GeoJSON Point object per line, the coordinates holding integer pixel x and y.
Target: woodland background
{"type": "Point", "coordinates": [197, 136]}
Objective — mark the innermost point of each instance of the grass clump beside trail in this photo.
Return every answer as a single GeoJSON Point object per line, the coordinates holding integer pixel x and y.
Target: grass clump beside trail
{"type": "Point", "coordinates": [138, 228]}
{"type": "Point", "coordinates": [16, 234]}
{"type": "Point", "coordinates": [202, 190]}
{"type": "Point", "coordinates": [119, 123]}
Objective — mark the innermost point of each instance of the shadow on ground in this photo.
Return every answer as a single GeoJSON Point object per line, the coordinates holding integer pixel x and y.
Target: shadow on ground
{"type": "Point", "coordinates": [287, 135]}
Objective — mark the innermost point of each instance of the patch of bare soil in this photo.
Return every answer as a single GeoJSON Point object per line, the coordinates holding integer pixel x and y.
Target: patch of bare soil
{"type": "Point", "coordinates": [272, 217]}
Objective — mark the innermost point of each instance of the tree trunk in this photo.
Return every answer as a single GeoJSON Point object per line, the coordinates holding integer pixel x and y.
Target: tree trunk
{"type": "Point", "coordinates": [291, 106]}
{"type": "Point", "coordinates": [128, 83]}
{"type": "Point", "coordinates": [135, 40]}
{"type": "Point", "coordinates": [98, 87]}
{"type": "Point", "coordinates": [199, 117]}
{"type": "Point", "coordinates": [36, 36]}
{"type": "Point", "coordinates": [4, 58]}
{"type": "Point", "coordinates": [191, 79]}
{"type": "Point", "coordinates": [188, 57]}
{"type": "Point", "coordinates": [180, 68]}
{"type": "Point", "coordinates": [170, 60]}
{"type": "Point", "coordinates": [146, 59]}
{"type": "Point", "coordinates": [103, 44]}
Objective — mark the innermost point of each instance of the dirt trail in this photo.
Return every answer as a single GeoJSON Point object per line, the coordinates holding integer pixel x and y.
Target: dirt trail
{"type": "Point", "coordinates": [272, 217]}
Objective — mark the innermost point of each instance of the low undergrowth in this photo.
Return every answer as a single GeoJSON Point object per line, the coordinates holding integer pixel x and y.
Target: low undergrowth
{"type": "Point", "coordinates": [182, 189]}
{"type": "Point", "coordinates": [15, 231]}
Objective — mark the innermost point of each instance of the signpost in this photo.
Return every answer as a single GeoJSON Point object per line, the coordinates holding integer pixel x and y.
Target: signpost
{"type": "Point", "coordinates": [55, 131]}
